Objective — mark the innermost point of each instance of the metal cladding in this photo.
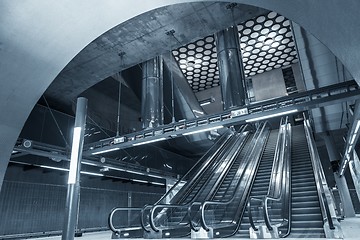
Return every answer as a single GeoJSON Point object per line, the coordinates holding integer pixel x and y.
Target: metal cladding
{"type": "Point", "coordinates": [152, 113]}
{"type": "Point", "coordinates": [231, 70]}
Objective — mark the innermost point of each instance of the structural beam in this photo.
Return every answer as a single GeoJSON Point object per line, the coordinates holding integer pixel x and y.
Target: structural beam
{"type": "Point", "coordinates": [320, 97]}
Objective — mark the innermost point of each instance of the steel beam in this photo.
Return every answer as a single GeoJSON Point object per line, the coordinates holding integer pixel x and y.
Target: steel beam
{"type": "Point", "coordinates": [319, 97]}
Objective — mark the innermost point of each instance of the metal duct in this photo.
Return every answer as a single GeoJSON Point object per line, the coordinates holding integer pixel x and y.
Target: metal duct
{"type": "Point", "coordinates": [231, 70]}
{"type": "Point", "coordinates": [152, 93]}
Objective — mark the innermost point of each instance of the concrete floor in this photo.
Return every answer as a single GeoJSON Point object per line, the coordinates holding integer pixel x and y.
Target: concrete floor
{"type": "Point", "coordinates": [350, 226]}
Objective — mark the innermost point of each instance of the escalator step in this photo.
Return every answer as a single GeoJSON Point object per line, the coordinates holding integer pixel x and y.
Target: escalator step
{"type": "Point", "coordinates": [307, 217]}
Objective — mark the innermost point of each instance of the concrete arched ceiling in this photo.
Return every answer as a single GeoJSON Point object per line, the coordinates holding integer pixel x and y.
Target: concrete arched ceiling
{"type": "Point", "coordinates": [38, 38]}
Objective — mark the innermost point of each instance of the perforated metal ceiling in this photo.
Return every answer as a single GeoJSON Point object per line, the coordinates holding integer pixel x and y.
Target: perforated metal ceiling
{"type": "Point", "coordinates": [266, 43]}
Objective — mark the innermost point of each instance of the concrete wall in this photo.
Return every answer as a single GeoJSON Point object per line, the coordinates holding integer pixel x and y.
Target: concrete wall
{"type": "Point", "coordinates": [320, 68]}
{"type": "Point", "coordinates": [269, 85]}
{"type": "Point", "coordinates": [32, 201]}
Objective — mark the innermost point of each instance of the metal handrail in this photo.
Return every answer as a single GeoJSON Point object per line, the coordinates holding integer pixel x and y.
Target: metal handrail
{"type": "Point", "coordinates": [326, 202]}
{"type": "Point", "coordinates": [186, 205]}
{"type": "Point", "coordinates": [205, 164]}
{"type": "Point", "coordinates": [285, 181]}
{"type": "Point", "coordinates": [218, 203]}
{"type": "Point", "coordinates": [111, 216]}
{"type": "Point", "coordinates": [282, 151]}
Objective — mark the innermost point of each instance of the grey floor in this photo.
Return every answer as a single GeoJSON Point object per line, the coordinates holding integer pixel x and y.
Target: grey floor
{"type": "Point", "coordinates": [350, 226]}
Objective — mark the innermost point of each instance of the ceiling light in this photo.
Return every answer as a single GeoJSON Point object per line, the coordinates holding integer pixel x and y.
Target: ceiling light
{"type": "Point", "coordinates": [140, 181]}
{"type": "Point", "coordinates": [150, 141]}
{"type": "Point", "coordinates": [93, 174]}
{"type": "Point", "coordinates": [198, 112]}
{"type": "Point", "coordinates": [203, 130]}
{"type": "Point", "coordinates": [105, 151]}
{"type": "Point", "coordinates": [271, 115]}
{"type": "Point", "coordinates": [54, 168]}
{"type": "Point", "coordinates": [207, 101]}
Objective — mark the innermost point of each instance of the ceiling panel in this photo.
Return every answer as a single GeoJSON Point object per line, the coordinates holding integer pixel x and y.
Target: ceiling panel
{"type": "Point", "coordinates": [266, 43]}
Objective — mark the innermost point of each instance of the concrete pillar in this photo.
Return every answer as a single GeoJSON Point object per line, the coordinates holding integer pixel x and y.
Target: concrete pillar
{"type": "Point", "coordinates": [73, 190]}
{"type": "Point", "coordinates": [354, 166]}
{"type": "Point", "coordinates": [152, 112]}
{"type": "Point", "coordinates": [340, 181]}
{"type": "Point", "coordinates": [231, 70]}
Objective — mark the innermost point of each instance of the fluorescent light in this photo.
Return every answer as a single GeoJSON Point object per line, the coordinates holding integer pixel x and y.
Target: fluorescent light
{"type": "Point", "coordinates": [150, 141]}
{"type": "Point", "coordinates": [199, 112]}
{"type": "Point", "coordinates": [357, 127]}
{"type": "Point", "coordinates": [105, 151]}
{"type": "Point", "coordinates": [349, 150]}
{"type": "Point", "coordinates": [130, 171]}
{"type": "Point", "coordinates": [54, 168]}
{"type": "Point", "coordinates": [271, 115]}
{"type": "Point", "coordinates": [203, 130]}
{"type": "Point", "coordinates": [205, 103]}
{"type": "Point", "coordinates": [93, 174]}
{"type": "Point", "coordinates": [353, 139]}
{"type": "Point", "coordinates": [88, 163]}
{"type": "Point", "coordinates": [74, 155]}
{"type": "Point", "coordinates": [13, 152]}
{"type": "Point", "coordinates": [157, 183]}
{"type": "Point", "coordinates": [140, 181]}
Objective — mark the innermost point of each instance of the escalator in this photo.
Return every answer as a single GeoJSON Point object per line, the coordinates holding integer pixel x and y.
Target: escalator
{"type": "Point", "coordinates": [171, 219]}
{"type": "Point", "coordinates": [307, 220]}
{"type": "Point", "coordinates": [189, 184]}
{"type": "Point", "coordinates": [261, 182]}
{"type": "Point", "coordinates": [306, 209]}
{"type": "Point", "coordinates": [221, 218]}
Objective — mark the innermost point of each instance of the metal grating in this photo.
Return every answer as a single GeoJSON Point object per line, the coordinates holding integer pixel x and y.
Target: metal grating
{"type": "Point", "coordinates": [266, 43]}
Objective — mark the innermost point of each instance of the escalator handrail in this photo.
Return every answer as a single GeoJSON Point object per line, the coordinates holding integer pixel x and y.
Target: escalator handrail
{"type": "Point", "coordinates": [262, 200]}
{"type": "Point", "coordinates": [285, 183]}
{"type": "Point", "coordinates": [111, 216]}
{"type": "Point", "coordinates": [326, 201]}
{"type": "Point", "coordinates": [205, 203]}
{"type": "Point", "coordinates": [205, 164]}
{"type": "Point", "coordinates": [186, 205]}
{"type": "Point", "coordinates": [282, 149]}
{"type": "Point", "coordinates": [190, 209]}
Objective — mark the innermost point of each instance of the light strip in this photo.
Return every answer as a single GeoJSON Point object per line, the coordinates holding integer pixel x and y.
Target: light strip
{"type": "Point", "coordinates": [203, 130]}
{"type": "Point", "coordinates": [105, 151]}
{"type": "Point", "coordinates": [54, 168]}
{"type": "Point", "coordinates": [353, 139]}
{"type": "Point", "coordinates": [93, 174]}
{"type": "Point", "coordinates": [140, 181]}
{"type": "Point", "coordinates": [205, 103]}
{"type": "Point", "coordinates": [357, 127]}
{"type": "Point", "coordinates": [271, 115]}
{"type": "Point", "coordinates": [74, 155]}
{"type": "Point", "coordinates": [88, 163]}
{"type": "Point", "coordinates": [156, 183]}
{"type": "Point", "coordinates": [150, 141]}
{"type": "Point", "coordinates": [199, 112]}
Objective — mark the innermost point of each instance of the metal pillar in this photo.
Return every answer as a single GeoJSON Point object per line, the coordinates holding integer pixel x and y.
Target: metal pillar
{"type": "Point", "coordinates": [152, 112]}
{"type": "Point", "coordinates": [231, 69]}
{"type": "Point", "coordinates": [340, 181]}
{"type": "Point", "coordinates": [355, 173]}
{"type": "Point", "coordinates": [73, 190]}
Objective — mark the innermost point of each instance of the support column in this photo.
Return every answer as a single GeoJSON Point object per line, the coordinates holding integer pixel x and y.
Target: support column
{"type": "Point", "coordinates": [355, 172]}
{"type": "Point", "coordinates": [340, 181]}
{"type": "Point", "coordinates": [73, 190]}
{"type": "Point", "coordinates": [231, 69]}
{"type": "Point", "coordinates": [152, 113]}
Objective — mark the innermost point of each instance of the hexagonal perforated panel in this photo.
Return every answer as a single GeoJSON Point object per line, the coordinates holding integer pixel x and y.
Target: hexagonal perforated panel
{"type": "Point", "coordinates": [266, 43]}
